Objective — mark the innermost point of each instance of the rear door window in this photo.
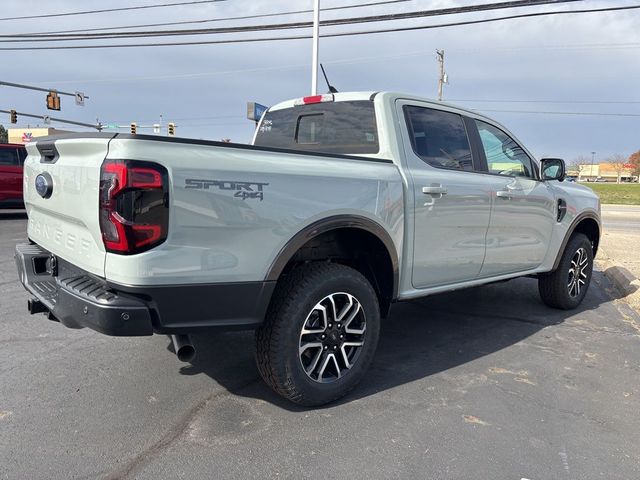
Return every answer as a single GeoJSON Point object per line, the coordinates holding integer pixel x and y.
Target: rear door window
{"type": "Point", "coordinates": [9, 156]}
{"type": "Point", "coordinates": [22, 155]}
{"type": "Point", "coordinates": [439, 138]}
{"type": "Point", "coordinates": [331, 127]}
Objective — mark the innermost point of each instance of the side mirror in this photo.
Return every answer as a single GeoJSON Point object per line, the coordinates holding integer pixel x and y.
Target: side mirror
{"type": "Point", "coordinates": [552, 169]}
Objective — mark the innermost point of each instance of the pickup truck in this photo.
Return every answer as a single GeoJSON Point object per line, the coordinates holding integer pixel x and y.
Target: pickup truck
{"type": "Point", "coordinates": [344, 204]}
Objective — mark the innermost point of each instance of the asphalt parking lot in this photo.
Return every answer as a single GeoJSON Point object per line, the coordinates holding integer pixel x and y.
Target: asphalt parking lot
{"type": "Point", "coordinates": [485, 383]}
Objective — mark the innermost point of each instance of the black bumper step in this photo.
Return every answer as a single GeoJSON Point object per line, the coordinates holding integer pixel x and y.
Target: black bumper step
{"type": "Point", "coordinates": [77, 299]}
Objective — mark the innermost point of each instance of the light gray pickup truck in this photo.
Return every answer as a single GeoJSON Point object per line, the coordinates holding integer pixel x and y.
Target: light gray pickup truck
{"type": "Point", "coordinates": [344, 204]}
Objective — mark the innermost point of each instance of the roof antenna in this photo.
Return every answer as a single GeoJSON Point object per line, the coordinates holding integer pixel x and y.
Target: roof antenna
{"type": "Point", "coordinates": [331, 89]}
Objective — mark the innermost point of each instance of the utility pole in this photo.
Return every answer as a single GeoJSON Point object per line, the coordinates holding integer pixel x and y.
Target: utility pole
{"type": "Point", "coordinates": [593, 156]}
{"type": "Point", "coordinates": [443, 76]}
{"type": "Point", "coordinates": [316, 34]}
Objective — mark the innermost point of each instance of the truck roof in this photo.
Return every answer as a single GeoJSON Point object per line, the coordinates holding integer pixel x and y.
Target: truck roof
{"type": "Point", "coordinates": [391, 96]}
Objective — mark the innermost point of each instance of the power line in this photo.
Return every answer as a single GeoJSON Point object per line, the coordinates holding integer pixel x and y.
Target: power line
{"type": "Point", "coordinates": [105, 10]}
{"type": "Point", "coordinates": [344, 61]}
{"type": "Point", "coordinates": [598, 114]}
{"type": "Point", "coordinates": [243, 17]}
{"type": "Point", "coordinates": [282, 26]}
{"type": "Point", "coordinates": [326, 35]}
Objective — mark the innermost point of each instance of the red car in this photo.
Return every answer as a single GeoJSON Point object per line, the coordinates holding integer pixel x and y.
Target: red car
{"type": "Point", "coordinates": [11, 161]}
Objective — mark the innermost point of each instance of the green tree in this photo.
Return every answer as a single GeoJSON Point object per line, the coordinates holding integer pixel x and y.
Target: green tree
{"type": "Point", "coordinates": [4, 135]}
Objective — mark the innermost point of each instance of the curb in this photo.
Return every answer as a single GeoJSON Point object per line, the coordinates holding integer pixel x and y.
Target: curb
{"type": "Point", "coordinates": [622, 279]}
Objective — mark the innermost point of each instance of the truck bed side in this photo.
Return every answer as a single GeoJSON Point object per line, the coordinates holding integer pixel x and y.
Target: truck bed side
{"type": "Point", "coordinates": [233, 208]}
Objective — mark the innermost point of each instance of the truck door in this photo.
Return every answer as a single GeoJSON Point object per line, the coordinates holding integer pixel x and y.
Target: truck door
{"type": "Point", "coordinates": [451, 201]}
{"type": "Point", "coordinates": [524, 208]}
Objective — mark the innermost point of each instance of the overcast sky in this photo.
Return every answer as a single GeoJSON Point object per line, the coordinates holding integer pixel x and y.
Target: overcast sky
{"type": "Point", "coordinates": [531, 64]}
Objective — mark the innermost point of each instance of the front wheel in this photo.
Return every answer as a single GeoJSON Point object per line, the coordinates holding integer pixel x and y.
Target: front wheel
{"type": "Point", "coordinates": [320, 334]}
{"type": "Point", "coordinates": [565, 287]}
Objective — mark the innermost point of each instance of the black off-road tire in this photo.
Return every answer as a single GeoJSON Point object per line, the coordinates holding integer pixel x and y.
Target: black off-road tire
{"type": "Point", "coordinates": [556, 287]}
{"type": "Point", "coordinates": [278, 340]}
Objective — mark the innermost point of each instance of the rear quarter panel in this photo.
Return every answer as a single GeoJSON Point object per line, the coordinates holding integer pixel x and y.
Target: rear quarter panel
{"type": "Point", "coordinates": [232, 208]}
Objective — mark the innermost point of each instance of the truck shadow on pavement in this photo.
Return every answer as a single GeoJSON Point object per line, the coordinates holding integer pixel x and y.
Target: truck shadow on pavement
{"type": "Point", "coordinates": [420, 338]}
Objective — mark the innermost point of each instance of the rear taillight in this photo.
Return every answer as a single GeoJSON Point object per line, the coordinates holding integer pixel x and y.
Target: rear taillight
{"type": "Point", "coordinates": [134, 205]}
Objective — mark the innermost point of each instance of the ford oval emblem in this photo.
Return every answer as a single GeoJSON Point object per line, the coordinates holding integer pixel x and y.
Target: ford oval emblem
{"type": "Point", "coordinates": [44, 185]}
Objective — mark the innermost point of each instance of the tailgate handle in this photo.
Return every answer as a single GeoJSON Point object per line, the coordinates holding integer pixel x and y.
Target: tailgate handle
{"type": "Point", "coordinates": [48, 152]}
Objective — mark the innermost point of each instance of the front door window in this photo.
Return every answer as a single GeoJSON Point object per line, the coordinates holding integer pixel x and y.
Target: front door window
{"type": "Point", "coordinates": [504, 155]}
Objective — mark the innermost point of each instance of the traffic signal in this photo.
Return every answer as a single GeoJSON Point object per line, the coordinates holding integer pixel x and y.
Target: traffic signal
{"type": "Point", "coordinates": [171, 128]}
{"type": "Point", "coordinates": [14, 116]}
{"type": "Point", "coordinates": [53, 101]}
{"type": "Point", "coordinates": [134, 127]}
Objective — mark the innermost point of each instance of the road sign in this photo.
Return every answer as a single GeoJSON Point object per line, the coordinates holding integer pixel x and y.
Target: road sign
{"type": "Point", "coordinates": [255, 111]}
{"type": "Point", "coordinates": [80, 99]}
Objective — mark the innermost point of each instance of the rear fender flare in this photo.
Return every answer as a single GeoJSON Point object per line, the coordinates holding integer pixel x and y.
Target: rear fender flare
{"type": "Point", "coordinates": [334, 223]}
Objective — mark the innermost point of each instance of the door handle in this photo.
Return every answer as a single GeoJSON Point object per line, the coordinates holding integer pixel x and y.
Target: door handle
{"type": "Point", "coordinates": [506, 194]}
{"type": "Point", "coordinates": [434, 189]}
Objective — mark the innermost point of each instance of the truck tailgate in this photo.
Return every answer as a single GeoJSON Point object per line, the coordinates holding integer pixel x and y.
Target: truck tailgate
{"type": "Point", "coordinates": [67, 223]}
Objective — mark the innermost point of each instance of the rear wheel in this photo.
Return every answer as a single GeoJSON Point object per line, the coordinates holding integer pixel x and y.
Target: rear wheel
{"type": "Point", "coordinates": [566, 287]}
{"type": "Point", "coordinates": [320, 334]}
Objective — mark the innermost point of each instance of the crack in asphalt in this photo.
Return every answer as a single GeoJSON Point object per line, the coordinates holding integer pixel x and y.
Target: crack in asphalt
{"type": "Point", "coordinates": [145, 456]}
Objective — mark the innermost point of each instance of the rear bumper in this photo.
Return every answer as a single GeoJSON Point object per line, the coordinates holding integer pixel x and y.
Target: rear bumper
{"type": "Point", "coordinates": [78, 299]}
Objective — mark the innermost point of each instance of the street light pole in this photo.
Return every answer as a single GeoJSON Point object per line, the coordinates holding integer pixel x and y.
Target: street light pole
{"type": "Point", "coordinates": [316, 34]}
{"type": "Point", "coordinates": [593, 156]}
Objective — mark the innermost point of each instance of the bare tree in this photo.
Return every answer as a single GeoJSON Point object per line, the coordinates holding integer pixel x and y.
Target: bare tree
{"type": "Point", "coordinates": [618, 163]}
{"type": "Point", "coordinates": [578, 164]}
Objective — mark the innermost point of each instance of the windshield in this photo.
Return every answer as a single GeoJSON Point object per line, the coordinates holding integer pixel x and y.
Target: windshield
{"type": "Point", "coordinates": [331, 127]}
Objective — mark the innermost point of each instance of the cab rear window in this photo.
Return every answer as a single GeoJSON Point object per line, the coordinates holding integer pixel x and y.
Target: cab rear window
{"type": "Point", "coordinates": [332, 127]}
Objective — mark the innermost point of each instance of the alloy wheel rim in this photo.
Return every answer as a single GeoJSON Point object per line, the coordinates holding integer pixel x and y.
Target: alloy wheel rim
{"type": "Point", "coordinates": [332, 337]}
{"type": "Point", "coordinates": [578, 272]}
